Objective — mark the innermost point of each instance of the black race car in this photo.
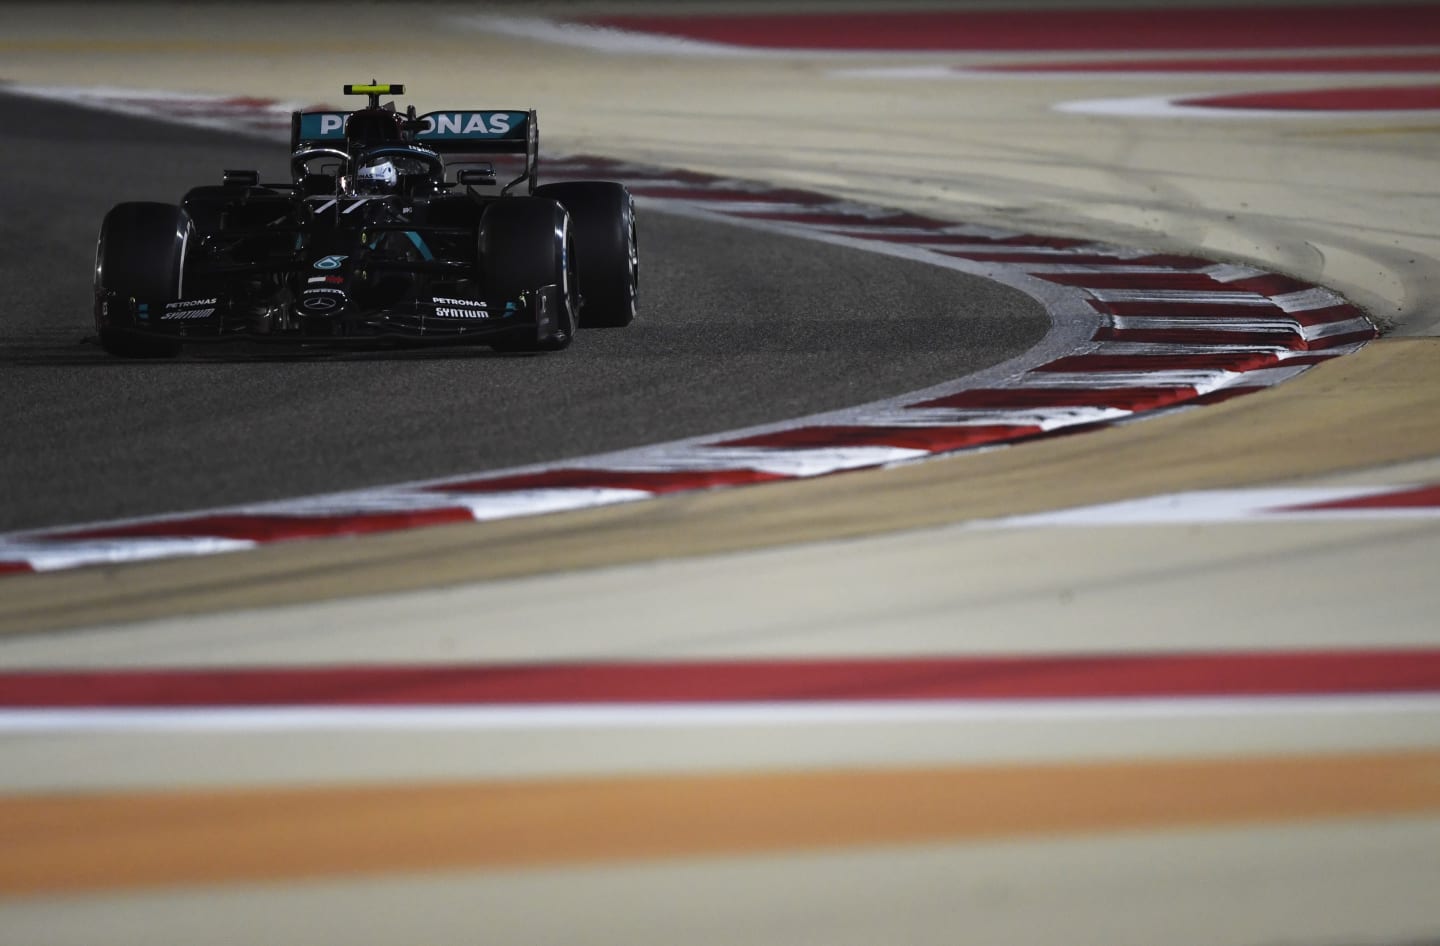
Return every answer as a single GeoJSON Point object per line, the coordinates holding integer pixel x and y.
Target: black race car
{"type": "Point", "coordinates": [393, 226]}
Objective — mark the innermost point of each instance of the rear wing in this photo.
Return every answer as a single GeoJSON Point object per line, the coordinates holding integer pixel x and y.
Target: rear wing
{"type": "Point", "coordinates": [488, 131]}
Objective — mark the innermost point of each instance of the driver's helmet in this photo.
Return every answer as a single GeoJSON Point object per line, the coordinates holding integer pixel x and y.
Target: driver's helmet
{"type": "Point", "coordinates": [377, 176]}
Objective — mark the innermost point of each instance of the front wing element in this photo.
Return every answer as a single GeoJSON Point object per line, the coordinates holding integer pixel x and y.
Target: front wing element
{"type": "Point", "coordinates": [321, 315]}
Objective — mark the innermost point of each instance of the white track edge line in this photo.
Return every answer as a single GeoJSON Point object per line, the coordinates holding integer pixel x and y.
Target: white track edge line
{"type": "Point", "coordinates": [660, 716]}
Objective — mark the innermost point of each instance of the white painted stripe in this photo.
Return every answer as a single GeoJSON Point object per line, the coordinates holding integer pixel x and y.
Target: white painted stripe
{"type": "Point", "coordinates": [976, 231]}
{"type": "Point", "coordinates": [725, 204]}
{"type": "Point", "coordinates": [534, 502]}
{"type": "Point", "coordinates": [1171, 106]}
{"type": "Point", "coordinates": [1308, 299]}
{"type": "Point", "coordinates": [1192, 296]}
{"type": "Point", "coordinates": [1335, 352]}
{"type": "Point", "coordinates": [1178, 68]}
{"type": "Point", "coordinates": [671, 715]}
{"type": "Point", "coordinates": [841, 208]}
{"type": "Point", "coordinates": [1046, 418]}
{"type": "Point", "coordinates": [1167, 349]}
{"type": "Point", "coordinates": [1341, 327]}
{"type": "Point", "coordinates": [1058, 252]}
{"type": "Point", "coordinates": [640, 182]}
{"type": "Point", "coordinates": [1197, 506]}
{"type": "Point", "coordinates": [1205, 380]}
{"type": "Point", "coordinates": [1205, 506]}
{"type": "Point", "coordinates": [1279, 324]}
{"type": "Point", "coordinates": [515, 502]}
{"type": "Point", "coordinates": [787, 462]}
{"type": "Point", "coordinates": [903, 72]}
{"type": "Point", "coordinates": [602, 39]}
{"type": "Point", "coordinates": [866, 230]}
{"type": "Point", "coordinates": [44, 556]}
{"type": "Point", "coordinates": [1229, 272]}
{"type": "Point", "coordinates": [986, 73]}
{"type": "Point", "coordinates": [1108, 268]}
{"type": "Point", "coordinates": [359, 503]}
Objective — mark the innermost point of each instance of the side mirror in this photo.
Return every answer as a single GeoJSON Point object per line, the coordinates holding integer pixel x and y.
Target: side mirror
{"type": "Point", "coordinates": [234, 178]}
{"type": "Point", "coordinates": [472, 176]}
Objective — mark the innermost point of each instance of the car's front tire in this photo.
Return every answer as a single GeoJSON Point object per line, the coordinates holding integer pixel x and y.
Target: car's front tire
{"type": "Point", "coordinates": [607, 266]}
{"type": "Point", "coordinates": [525, 246]}
{"type": "Point", "coordinates": [140, 255]}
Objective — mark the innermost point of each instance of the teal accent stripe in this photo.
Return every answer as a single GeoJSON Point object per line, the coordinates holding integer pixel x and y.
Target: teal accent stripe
{"type": "Point", "coordinates": [420, 244]}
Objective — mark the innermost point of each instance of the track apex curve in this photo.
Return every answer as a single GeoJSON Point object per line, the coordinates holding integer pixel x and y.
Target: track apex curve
{"type": "Point", "coordinates": [1135, 332]}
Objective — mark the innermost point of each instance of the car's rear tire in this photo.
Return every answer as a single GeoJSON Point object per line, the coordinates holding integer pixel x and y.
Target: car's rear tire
{"type": "Point", "coordinates": [141, 255]}
{"type": "Point", "coordinates": [607, 260]}
{"type": "Point", "coordinates": [525, 245]}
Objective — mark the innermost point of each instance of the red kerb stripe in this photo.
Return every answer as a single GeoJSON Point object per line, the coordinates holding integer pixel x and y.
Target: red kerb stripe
{"type": "Point", "coordinates": [1198, 282]}
{"type": "Point", "coordinates": [1378, 63]}
{"type": "Point", "coordinates": [1033, 258]}
{"type": "Point", "coordinates": [1059, 243]}
{"type": "Point", "coordinates": [275, 528]}
{"type": "Point", "coordinates": [1421, 497]}
{"type": "Point", "coordinates": [1205, 361]}
{"type": "Point", "coordinates": [1391, 98]}
{"type": "Point", "coordinates": [1287, 337]}
{"type": "Point", "coordinates": [1154, 27]}
{"type": "Point", "coordinates": [1269, 284]}
{"type": "Point", "coordinates": [736, 681]}
{"type": "Point", "coordinates": [1127, 399]}
{"type": "Point", "coordinates": [1192, 310]}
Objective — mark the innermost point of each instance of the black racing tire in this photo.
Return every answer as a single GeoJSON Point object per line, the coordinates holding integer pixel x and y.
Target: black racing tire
{"type": "Point", "coordinates": [140, 254]}
{"type": "Point", "coordinates": [607, 258]}
{"type": "Point", "coordinates": [525, 245]}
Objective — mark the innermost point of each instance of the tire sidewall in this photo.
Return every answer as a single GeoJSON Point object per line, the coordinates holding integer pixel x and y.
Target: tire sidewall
{"type": "Point", "coordinates": [606, 244]}
{"type": "Point", "coordinates": [525, 244]}
{"type": "Point", "coordinates": [140, 254]}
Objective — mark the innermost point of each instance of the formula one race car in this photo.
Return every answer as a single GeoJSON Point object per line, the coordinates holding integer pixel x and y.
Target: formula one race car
{"type": "Point", "coordinates": [377, 236]}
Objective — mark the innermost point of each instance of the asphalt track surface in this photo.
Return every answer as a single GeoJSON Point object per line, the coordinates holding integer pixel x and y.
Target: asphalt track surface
{"type": "Point", "coordinates": [732, 332]}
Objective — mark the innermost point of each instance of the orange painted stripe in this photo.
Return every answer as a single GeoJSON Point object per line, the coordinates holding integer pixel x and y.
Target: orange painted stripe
{"type": "Point", "coordinates": [73, 843]}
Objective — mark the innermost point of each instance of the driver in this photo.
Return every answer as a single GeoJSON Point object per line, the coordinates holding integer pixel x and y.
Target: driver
{"type": "Point", "coordinates": [364, 129]}
{"type": "Point", "coordinates": [379, 176]}
{"type": "Point", "coordinates": [371, 129]}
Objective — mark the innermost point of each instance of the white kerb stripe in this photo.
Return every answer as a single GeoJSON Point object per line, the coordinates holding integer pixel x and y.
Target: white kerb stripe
{"type": "Point", "coordinates": [60, 553]}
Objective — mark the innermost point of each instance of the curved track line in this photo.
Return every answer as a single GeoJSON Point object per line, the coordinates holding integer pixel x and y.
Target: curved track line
{"type": "Point", "coordinates": [665, 693]}
{"type": "Point", "coordinates": [1209, 106]}
{"type": "Point", "coordinates": [1133, 332]}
